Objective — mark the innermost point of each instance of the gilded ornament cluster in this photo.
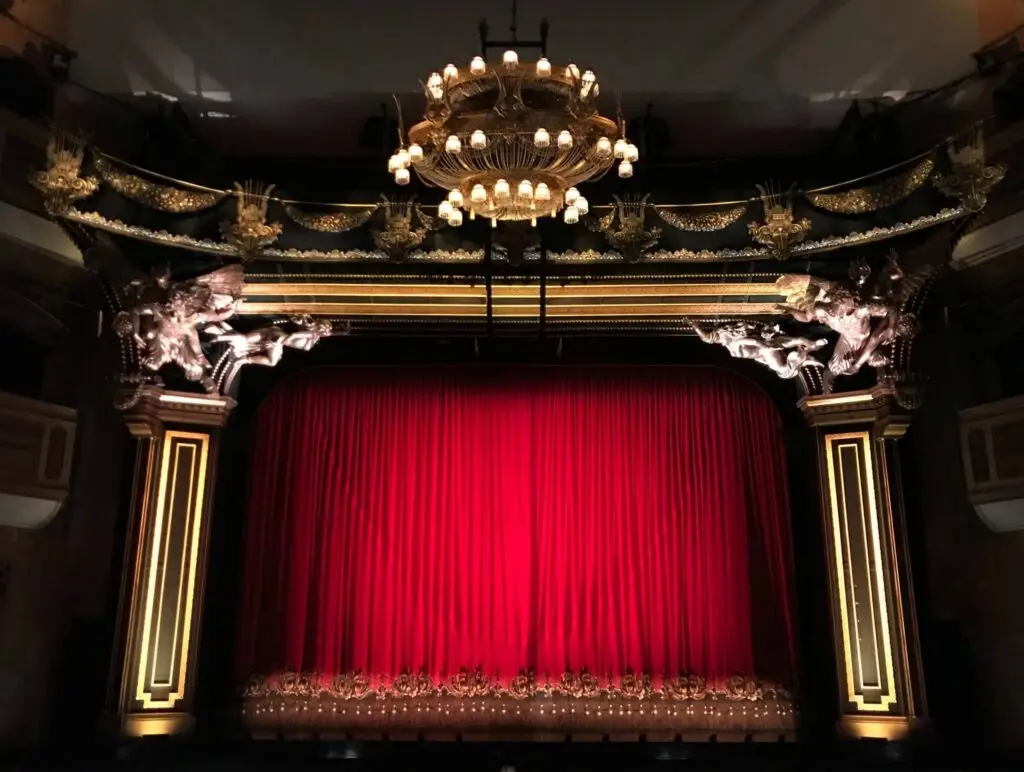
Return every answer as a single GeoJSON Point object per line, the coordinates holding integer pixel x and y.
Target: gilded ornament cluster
{"type": "Point", "coordinates": [474, 683]}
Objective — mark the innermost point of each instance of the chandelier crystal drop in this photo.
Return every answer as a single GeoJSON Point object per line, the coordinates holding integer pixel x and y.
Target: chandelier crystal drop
{"type": "Point", "coordinates": [511, 141]}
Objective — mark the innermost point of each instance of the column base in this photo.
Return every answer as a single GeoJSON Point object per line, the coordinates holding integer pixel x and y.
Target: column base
{"type": "Point", "coordinates": [156, 724]}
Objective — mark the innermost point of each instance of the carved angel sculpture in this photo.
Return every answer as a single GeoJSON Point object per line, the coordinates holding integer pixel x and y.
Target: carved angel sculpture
{"type": "Point", "coordinates": [167, 331]}
{"type": "Point", "coordinates": [265, 345]}
{"type": "Point", "coordinates": [869, 321]}
{"type": "Point", "coordinates": [768, 344]}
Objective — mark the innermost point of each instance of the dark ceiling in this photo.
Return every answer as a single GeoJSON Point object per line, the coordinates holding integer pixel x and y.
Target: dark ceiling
{"type": "Point", "coordinates": [731, 77]}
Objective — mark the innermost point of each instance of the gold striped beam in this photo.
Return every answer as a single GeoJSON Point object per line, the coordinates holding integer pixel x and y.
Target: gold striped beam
{"type": "Point", "coordinates": [511, 301]}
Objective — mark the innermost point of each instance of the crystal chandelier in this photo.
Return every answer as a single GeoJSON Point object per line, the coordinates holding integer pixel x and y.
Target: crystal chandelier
{"type": "Point", "coordinates": [512, 140]}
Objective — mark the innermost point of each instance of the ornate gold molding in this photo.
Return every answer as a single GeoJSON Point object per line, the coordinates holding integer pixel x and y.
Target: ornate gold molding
{"type": "Point", "coordinates": [871, 198]}
{"type": "Point", "coordinates": [701, 220]}
{"type": "Point", "coordinates": [209, 246]}
{"type": "Point", "coordinates": [165, 198]}
{"type": "Point", "coordinates": [469, 703]}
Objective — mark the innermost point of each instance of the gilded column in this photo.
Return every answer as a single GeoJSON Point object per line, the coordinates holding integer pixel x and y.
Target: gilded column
{"type": "Point", "coordinates": [881, 688]}
{"type": "Point", "coordinates": [166, 555]}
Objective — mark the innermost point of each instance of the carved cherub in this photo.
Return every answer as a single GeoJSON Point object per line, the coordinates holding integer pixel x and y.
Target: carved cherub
{"type": "Point", "coordinates": [167, 331]}
{"type": "Point", "coordinates": [869, 319]}
{"type": "Point", "coordinates": [265, 345]}
{"type": "Point", "coordinates": [784, 354]}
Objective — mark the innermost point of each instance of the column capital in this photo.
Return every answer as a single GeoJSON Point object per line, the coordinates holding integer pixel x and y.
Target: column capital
{"type": "Point", "coordinates": [153, 407]}
{"type": "Point", "coordinates": [880, 407]}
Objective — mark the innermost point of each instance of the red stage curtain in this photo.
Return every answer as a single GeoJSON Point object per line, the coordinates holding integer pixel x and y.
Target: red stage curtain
{"type": "Point", "coordinates": [547, 518]}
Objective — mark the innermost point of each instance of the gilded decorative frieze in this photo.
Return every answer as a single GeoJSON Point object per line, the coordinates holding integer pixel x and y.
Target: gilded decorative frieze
{"type": "Point", "coordinates": [871, 198]}
{"type": "Point", "coordinates": [331, 222]}
{"type": "Point", "coordinates": [701, 220]}
{"type": "Point", "coordinates": [165, 198]}
{"type": "Point", "coordinates": [728, 254]}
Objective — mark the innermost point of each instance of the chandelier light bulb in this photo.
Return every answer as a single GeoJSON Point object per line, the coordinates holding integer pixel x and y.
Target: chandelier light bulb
{"type": "Point", "coordinates": [402, 176]}
{"type": "Point", "coordinates": [620, 148]}
{"type": "Point", "coordinates": [478, 140]}
{"type": "Point", "coordinates": [501, 189]}
{"type": "Point", "coordinates": [603, 148]}
{"type": "Point", "coordinates": [451, 72]}
{"type": "Point", "coordinates": [415, 153]}
{"type": "Point", "coordinates": [445, 209]}
{"type": "Point", "coordinates": [478, 66]}
{"type": "Point", "coordinates": [478, 194]}
{"type": "Point", "coordinates": [542, 192]}
{"type": "Point", "coordinates": [572, 72]}
{"type": "Point", "coordinates": [543, 67]}
{"type": "Point", "coordinates": [582, 205]}
{"type": "Point", "coordinates": [589, 84]}
{"type": "Point", "coordinates": [541, 138]}
{"type": "Point", "coordinates": [435, 85]}
{"type": "Point", "coordinates": [403, 157]}
{"type": "Point", "coordinates": [510, 59]}
{"type": "Point", "coordinates": [571, 216]}
{"type": "Point", "coordinates": [455, 218]}
{"type": "Point", "coordinates": [526, 189]}
{"type": "Point", "coordinates": [571, 195]}
{"type": "Point", "coordinates": [632, 153]}
{"type": "Point", "coordinates": [455, 198]}
{"type": "Point", "coordinates": [452, 144]}
{"type": "Point", "coordinates": [564, 140]}
{"type": "Point", "coordinates": [625, 170]}
{"type": "Point", "coordinates": [394, 164]}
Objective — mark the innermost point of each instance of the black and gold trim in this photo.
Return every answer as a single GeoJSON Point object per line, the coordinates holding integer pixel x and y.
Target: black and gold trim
{"type": "Point", "coordinates": [163, 594]}
{"type": "Point", "coordinates": [875, 634]}
{"type": "Point", "coordinates": [522, 301]}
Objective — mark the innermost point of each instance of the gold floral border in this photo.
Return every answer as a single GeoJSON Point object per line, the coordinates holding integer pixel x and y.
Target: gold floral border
{"type": "Point", "coordinates": [476, 683]}
{"type": "Point", "coordinates": [871, 198]}
{"type": "Point", "coordinates": [469, 703]}
{"type": "Point", "coordinates": [164, 198]}
{"type": "Point", "coordinates": [183, 241]}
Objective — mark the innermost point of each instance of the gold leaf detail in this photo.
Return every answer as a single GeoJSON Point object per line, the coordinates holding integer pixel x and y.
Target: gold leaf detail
{"type": "Point", "coordinates": [870, 198]}
{"type": "Point", "coordinates": [701, 221]}
{"type": "Point", "coordinates": [164, 198]}
{"type": "Point", "coordinates": [330, 222]}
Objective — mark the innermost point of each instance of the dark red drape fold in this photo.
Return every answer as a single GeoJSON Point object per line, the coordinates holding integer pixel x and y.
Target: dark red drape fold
{"type": "Point", "coordinates": [612, 519]}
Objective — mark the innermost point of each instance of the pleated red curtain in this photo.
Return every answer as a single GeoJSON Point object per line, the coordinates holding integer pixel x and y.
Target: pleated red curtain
{"type": "Point", "coordinates": [609, 519]}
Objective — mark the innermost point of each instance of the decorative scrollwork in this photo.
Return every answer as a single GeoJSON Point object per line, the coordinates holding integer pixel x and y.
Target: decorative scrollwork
{"type": "Point", "coordinates": [474, 683]}
{"type": "Point", "coordinates": [250, 232]}
{"type": "Point", "coordinates": [779, 232]}
{"type": "Point", "coordinates": [871, 198]}
{"type": "Point", "coordinates": [331, 222]}
{"type": "Point", "coordinates": [971, 179]}
{"type": "Point", "coordinates": [164, 198]}
{"type": "Point", "coordinates": [399, 235]}
{"type": "Point", "coordinates": [349, 686]}
{"type": "Point", "coordinates": [701, 220]}
{"type": "Point", "coordinates": [61, 182]}
{"type": "Point", "coordinates": [470, 683]}
{"type": "Point", "coordinates": [624, 228]}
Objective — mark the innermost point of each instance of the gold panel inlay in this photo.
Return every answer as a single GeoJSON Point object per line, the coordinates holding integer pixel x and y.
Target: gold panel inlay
{"type": "Point", "coordinates": [532, 310]}
{"type": "Point", "coordinates": [874, 640]}
{"type": "Point", "coordinates": [368, 290]}
{"type": "Point", "coordinates": [178, 449]}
